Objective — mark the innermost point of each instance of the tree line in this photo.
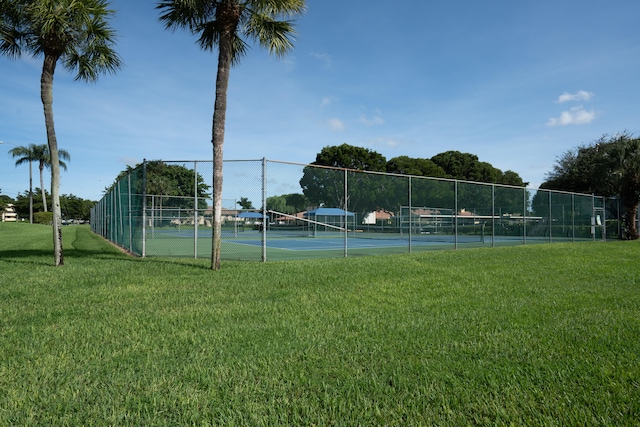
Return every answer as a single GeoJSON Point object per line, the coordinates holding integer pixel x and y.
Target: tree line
{"type": "Point", "coordinates": [73, 208]}
{"type": "Point", "coordinates": [25, 204]}
{"type": "Point", "coordinates": [41, 155]}
{"type": "Point", "coordinates": [368, 192]}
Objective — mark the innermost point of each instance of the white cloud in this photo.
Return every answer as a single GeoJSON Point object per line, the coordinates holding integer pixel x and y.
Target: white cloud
{"type": "Point", "coordinates": [582, 95]}
{"type": "Point", "coordinates": [336, 124]}
{"type": "Point", "coordinates": [392, 143]}
{"type": "Point", "coordinates": [327, 100]}
{"type": "Point", "coordinates": [575, 116]}
{"type": "Point", "coordinates": [375, 120]}
{"type": "Point", "coordinates": [324, 58]}
{"type": "Point", "coordinates": [385, 142]}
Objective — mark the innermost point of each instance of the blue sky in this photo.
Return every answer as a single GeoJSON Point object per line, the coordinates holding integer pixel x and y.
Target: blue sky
{"type": "Point", "coordinates": [515, 82]}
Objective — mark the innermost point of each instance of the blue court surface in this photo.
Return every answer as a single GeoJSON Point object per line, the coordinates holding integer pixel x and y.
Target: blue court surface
{"type": "Point", "coordinates": [338, 243]}
{"type": "Point", "coordinates": [333, 243]}
{"type": "Point", "coordinates": [329, 241]}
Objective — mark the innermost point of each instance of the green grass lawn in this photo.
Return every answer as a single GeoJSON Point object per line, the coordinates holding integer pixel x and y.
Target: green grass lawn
{"type": "Point", "coordinates": [527, 335]}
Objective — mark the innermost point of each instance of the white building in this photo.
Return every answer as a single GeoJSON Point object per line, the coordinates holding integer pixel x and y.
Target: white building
{"type": "Point", "coordinates": [9, 213]}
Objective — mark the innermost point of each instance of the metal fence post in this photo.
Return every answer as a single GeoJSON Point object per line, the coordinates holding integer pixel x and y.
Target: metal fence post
{"type": "Point", "coordinates": [593, 217]}
{"type": "Point", "coordinates": [346, 205]}
{"type": "Point", "coordinates": [144, 208]}
{"type": "Point", "coordinates": [264, 209]}
{"type": "Point", "coordinates": [493, 217]}
{"type": "Point", "coordinates": [129, 206]}
{"type": "Point", "coordinates": [410, 248]}
{"type": "Point", "coordinates": [195, 209]}
{"type": "Point", "coordinates": [604, 218]}
{"type": "Point", "coordinates": [550, 220]}
{"type": "Point", "coordinates": [455, 215]}
{"type": "Point", "coordinates": [525, 206]}
{"type": "Point", "coordinates": [114, 219]}
{"type": "Point", "coordinates": [120, 211]}
{"type": "Point", "coordinates": [103, 217]}
{"type": "Point", "coordinates": [573, 217]}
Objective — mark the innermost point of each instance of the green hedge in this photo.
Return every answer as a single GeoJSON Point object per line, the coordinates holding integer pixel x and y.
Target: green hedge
{"type": "Point", "coordinates": [43, 218]}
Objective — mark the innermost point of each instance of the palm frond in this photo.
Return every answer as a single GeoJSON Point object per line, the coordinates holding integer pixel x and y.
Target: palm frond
{"type": "Point", "coordinates": [75, 31]}
{"type": "Point", "coordinates": [276, 36]}
{"type": "Point", "coordinates": [260, 20]}
{"type": "Point", "coordinates": [24, 154]}
{"type": "Point", "coordinates": [210, 33]}
{"type": "Point", "coordinates": [185, 14]}
{"type": "Point", "coordinates": [11, 28]}
{"type": "Point", "coordinates": [279, 8]}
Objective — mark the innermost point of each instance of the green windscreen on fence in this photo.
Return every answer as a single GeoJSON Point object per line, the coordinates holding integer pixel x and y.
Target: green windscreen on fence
{"type": "Point", "coordinates": [118, 216]}
{"type": "Point", "coordinates": [273, 210]}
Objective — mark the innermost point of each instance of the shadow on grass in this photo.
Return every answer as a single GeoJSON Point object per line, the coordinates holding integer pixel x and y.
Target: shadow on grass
{"type": "Point", "coordinates": [27, 256]}
{"type": "Point", "coordinates": [45, 257]}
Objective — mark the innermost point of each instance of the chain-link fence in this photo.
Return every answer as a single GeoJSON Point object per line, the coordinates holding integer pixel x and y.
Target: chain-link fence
{"type": "Point", "coordinates": [275, 210]}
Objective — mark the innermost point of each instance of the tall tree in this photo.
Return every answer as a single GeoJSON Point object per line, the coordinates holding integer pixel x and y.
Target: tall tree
{"type": "Point", "coordinates": [227, 25]}
{"type": "Point", "coordinates": [4, 200]}
{"type": "Point", "coordinates": [621, 167]}
{"type": "Point", "coordinates": [351, 157]}
{"type": "Point", "coordinates": [610, 166]}
{"type": "Point", "coordinates": [406, 165]}
{"type": "Point", "coordinates": [76, 32]}
{"type": "Point", "coordinates": [43, 157]}
{"type": "Point", "coordinates": [325, 187]}
{"type": "Point", "coordinates": [75, 207]}
{"type": "Point", "coordinates": [167, 179]}
{"type": "Point", "coordinates": [245, 203]}
{"type": "Point", "coordinates": [574, 171]}
{"type": "Point", "coordinates": [289, 204]}
{"type": "Point", "coordinates": [468, 167]}
{"type": "Point", "coordinates": [26, 155]}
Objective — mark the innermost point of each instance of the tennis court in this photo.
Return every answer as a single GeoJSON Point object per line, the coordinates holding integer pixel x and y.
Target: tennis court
{"type": "Point", "coordinates": [281, 244]}
{"type": "Point", "coordinates": [331, 241]}
{"type": "Point", "coordinates": [248, 245]}
{"type": "Point", "coordinates": [359, 213]}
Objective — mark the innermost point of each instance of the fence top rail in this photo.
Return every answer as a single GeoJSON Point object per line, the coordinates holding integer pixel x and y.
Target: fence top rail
{"type": "Point", "coordinates": [431, 178]}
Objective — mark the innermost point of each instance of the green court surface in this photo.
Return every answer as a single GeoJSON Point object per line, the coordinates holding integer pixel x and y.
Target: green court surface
{"type": "Point", "coordinates": [248, 245]}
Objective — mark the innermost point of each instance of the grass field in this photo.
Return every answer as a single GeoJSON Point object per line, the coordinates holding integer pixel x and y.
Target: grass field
{"type": "Point", "coordinates": [527, 335]}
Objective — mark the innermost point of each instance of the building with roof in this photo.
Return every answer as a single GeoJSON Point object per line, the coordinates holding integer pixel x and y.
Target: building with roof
{"type": "Point", "coordinates": [9, 213]}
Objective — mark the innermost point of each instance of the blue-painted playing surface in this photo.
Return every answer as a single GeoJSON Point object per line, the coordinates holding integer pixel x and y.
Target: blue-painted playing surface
{"type": "Point", "coordinates": [323, 241]}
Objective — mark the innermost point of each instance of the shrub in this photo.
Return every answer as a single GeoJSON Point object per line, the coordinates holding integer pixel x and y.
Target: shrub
{"type": "Point", "coordinates": [43, 218]}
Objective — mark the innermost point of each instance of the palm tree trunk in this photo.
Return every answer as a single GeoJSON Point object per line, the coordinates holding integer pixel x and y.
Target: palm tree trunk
{"type": "Point", "coordinates": [44, 199]}
{"type": "Point", "coordinates": [30, 193]}
{"type": "Point", "coordinates": [631, 230]}
{"type": "Point", "coordinates": [219, 118]}
{"type": "Point", "coordinates": [46, 93]}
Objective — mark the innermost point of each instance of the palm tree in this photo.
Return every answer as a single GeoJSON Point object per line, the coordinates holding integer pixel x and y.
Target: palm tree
{"type": "Point", "coordinates": [42, 156]}
{"type": "Point", "coordinates": [226, 24]}
{"type": "Point", "coordinates": [75, 32]}
{"type": "Point", "coordinates": [26, 155]}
